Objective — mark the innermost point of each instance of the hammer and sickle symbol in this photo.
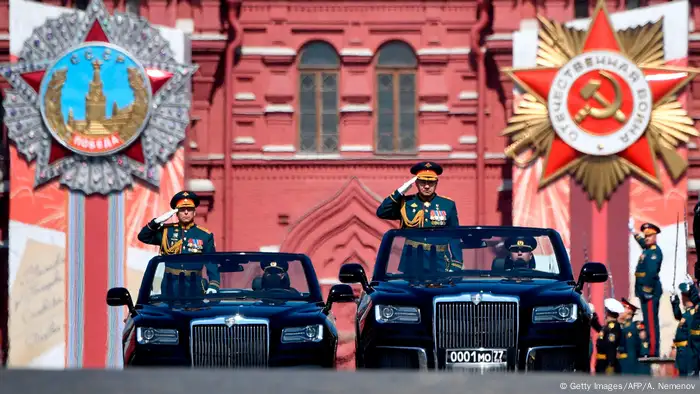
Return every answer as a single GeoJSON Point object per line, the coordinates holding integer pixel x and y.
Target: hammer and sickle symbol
{"type": "Point", "coordinates": [610, 109]}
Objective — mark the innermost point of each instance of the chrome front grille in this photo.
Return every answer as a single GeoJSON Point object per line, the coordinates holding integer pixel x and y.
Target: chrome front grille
{"type": "Point", "coordinates": [463, 324]}
{"type": "Point", "coordinates": [244, 344]}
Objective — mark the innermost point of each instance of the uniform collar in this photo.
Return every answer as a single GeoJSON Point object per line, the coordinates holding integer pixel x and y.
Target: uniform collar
{"type": "Point", "coordinates": [420, 197]}
{"type": "Point", "coordinates": [187, 226]}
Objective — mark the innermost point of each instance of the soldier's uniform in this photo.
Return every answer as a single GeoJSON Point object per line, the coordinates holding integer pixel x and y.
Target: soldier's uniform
{"type": "Point", "coordinates": [635, 343]}
{"type": "Point", "coordinates": [685, 356]}
{"type": "Point", "coordinates": [415, 212]}
{"type": "Point", "coordinates": [609, 343]}
{"type": "Point", "coordinates": [648, 285]}
{"type": "Point", "coordinates": [178, 238]}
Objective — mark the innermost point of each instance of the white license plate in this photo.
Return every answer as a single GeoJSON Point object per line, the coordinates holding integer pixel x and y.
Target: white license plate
{"type": "Point", "coordinates": [475, 356]}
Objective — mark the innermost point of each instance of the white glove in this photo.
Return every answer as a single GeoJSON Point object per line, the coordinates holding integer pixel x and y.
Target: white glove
{"type": "Point", "coordinates": [211, 291]}
{"type": "Point", "coordinates": [592, 307]}
{"type": "Point", "coordinates": [160, 219]}
{"type": "Point", "coordinates": [630, 225]}
{"type": "Point", "coordinates": [406, 185]}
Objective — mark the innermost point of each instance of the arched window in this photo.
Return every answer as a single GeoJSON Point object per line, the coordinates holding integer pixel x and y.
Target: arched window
{"type": "Point", "coordinates": [318, 98]}
{"type": "Point", "coordinates": [396, 98]}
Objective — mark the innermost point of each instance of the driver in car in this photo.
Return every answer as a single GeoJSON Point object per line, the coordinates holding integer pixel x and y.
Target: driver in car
{"type": "Point", "coordinates": [275, 275]}
{"type": "Point", "coordinates": [520, 254]}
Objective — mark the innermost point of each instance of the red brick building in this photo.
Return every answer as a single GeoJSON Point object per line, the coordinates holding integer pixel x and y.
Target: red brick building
{"type": "Point", "coordinates": [307, 113]}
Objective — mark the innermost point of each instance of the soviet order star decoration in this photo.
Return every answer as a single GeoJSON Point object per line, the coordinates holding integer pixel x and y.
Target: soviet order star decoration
{"type": "Point", "coordinates": [600, 105]}
{"type": "Point", "coordinates": [96, 99]}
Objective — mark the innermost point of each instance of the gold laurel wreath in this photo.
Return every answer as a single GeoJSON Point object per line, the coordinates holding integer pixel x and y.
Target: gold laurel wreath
{"type": "Point", "coordinates": [54, 113]}
{"type": "Point", "coordinates": [531, 130]}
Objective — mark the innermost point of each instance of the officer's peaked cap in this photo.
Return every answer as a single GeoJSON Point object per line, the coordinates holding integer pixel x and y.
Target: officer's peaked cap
{"type": "Point", "coordinates": [614, 306]}
{"type": "Point", "coordinates": [184, 199]}
{"type": "Point", "coordinates": [427, 170]}
{"type": "Point", "coordinates": [648, 229]}
{"type": "Point", "coordinates": [269, 265]}
{"type": "Point", "coordinates": [629, 305]}
{"type": "Point", "coordinates": [521, 241]}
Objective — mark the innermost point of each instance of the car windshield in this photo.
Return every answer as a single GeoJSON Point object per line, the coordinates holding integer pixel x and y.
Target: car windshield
{"type": "Point", "coordinates": [472, 252]}
{"type": "Point", "coordinates": [240, 277]}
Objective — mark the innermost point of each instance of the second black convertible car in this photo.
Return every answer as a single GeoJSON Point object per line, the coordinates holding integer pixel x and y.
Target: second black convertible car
{"type": "Point", "coordinates": [268, 312]}
{"type": "Point", "coordinates": [480, 298]}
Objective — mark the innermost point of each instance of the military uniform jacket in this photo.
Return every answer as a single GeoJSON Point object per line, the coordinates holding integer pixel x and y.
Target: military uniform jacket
{"type": "Point", "coordinates": [682, 336]}
{"type": "Point", "coordinates": [647, 283]}
{"type": "Point", "coordinates": [634, 345]}
{"type": "Point", "coordinates": [174, 238]}
{"type": "Point", "coordinates": [610, 343]}
{"type": "Point", "coordinates": [694, 329]}
{"type": "Point", "coordinates": [412, 212]}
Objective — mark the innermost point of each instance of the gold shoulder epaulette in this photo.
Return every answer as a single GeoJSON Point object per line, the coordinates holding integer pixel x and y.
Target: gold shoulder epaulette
{"type": "Point", "coordinates": [204, 229]}
{"type": "Point", "coordinates": [446, 198]}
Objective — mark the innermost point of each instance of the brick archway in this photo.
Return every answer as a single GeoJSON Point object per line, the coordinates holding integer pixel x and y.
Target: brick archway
{"type": "Point", "coordinates": [342, 229]}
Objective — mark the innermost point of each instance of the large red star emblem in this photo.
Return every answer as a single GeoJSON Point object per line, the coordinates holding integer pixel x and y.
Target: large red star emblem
{"type": "Point", "coordinates": [600, 105]}
{"type": "Point", "coordinates": [157, 78]}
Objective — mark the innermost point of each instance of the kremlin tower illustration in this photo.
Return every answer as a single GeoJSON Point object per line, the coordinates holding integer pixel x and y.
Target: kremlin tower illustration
{"type": "Point", "coordinates": [96, 122]}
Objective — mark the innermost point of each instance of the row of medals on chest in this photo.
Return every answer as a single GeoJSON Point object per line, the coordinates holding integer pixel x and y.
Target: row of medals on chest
{"type": "Point", "coordinates": [426, 205]}
{"type": "Point", "coordinates": [176, 237]}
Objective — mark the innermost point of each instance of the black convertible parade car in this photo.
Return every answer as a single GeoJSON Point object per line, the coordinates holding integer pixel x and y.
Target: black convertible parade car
{"type": "Point", "coordinates": [513, 305]}
{"type": "Point", "coordinates": [268, 312]}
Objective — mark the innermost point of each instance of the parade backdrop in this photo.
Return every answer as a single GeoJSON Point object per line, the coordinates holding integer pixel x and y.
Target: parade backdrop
{"type": "Point", "coordinates": [68, 246]}
{"type": "Point", "coordinates": [550, 206]}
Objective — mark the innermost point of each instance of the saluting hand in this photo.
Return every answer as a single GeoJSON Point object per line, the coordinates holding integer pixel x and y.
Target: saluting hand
{"type": "Point", "coordinates": [630, 225]}
{"type": "Point", "coordinates": [162, 218]}
{"type": "Point", "coordinates": [403, 188]}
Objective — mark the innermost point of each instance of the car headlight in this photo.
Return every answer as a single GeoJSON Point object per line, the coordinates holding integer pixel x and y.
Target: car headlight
{"type": "Point", "coordinates": [156, 336]}
{"type": "Point", "coordinates": [567, 313]}
{"type": "Point", "coordinates": [312, 333]}
{"type": "Point", "coordinates": [396, 314]}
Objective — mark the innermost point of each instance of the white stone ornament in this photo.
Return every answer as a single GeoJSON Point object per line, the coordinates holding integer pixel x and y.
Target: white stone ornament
{"type": "Point", "coordinates": [98, 163]}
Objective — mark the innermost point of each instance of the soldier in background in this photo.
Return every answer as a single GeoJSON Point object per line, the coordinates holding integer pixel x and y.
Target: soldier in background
{"type": "Point", "coordinates": [647, 286]}
{"type": "Point", "coordinates": [636, 342]}
{"type": "Point", "coordinates": [685, 356]}
{"type": "Point", "coordinates": [610, 343]}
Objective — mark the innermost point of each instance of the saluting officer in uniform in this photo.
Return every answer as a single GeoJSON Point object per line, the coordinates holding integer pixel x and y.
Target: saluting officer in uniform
{"type": "Point", "coordinates": [609, 343]}
{"type": "Point", "coordinates": [425, 209]}
{"type": "Point", "coordinates": [636, 342]}
{"type": "Point", "coordinates": [647, 284]}
{"type": "Point", "coordinates": [685, 356]}
{"type": "Point", "coordinates": [183, 237]}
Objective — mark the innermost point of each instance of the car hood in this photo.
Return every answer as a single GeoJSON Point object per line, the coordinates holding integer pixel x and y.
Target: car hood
{"type": "Point", "coordinates": [246, 309]}
{"type": "Point", "coordinates": [529, 291]}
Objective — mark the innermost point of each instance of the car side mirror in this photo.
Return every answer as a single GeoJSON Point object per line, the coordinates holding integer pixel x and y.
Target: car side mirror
{"type": "Point", "coordinates": [592, 272]}
{"type": "Point", "coordinates": [119, 296]}
{"type": "Point", "coordinates": [339, 293]}
{"type": "Point", "coordinates": [354, 273]}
